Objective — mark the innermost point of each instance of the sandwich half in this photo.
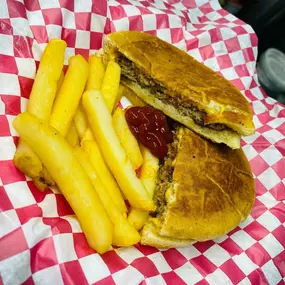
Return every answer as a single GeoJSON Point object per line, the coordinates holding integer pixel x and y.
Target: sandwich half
{"type": "Point", "coordinates": [203, 191]}
{"type": "Point", "coordinates": [172, 81]}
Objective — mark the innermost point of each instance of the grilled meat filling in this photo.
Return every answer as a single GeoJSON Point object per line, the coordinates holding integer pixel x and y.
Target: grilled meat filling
{"type": "Point", "coordinates": [164, 176]}
{"type": "Point", "coordinates": [132, 73]}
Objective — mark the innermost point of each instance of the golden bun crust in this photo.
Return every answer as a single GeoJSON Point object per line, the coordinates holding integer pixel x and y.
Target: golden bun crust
{"type": "Point", "coordinates": [150, 236]}
{"type": "Point", "coordinates": [185, 77]}
{"type": "Point", "coordinates": [211, 193]}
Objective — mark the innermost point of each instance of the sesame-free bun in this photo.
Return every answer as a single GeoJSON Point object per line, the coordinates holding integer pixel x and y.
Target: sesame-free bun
{"type": "Point", "coordinates": [211, 192]}
{"type": "Point", "coordinates": [186, 80]}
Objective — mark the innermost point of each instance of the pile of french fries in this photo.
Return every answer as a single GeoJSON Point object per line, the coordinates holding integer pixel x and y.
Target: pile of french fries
{"type": "Point", "coordinates": [74, 136]}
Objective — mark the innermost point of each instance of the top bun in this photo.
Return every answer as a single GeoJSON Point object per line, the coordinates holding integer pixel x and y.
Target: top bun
{"type": "Point", "coordinates": [186, 78]}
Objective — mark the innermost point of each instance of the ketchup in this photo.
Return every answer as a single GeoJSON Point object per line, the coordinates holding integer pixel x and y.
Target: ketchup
{"type": "Point", "coordinates": [149, 126]}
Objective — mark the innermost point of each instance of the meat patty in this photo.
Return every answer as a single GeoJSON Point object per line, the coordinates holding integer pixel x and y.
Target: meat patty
{"type": "Point", "coordinates": [131, 72]}
{"type": "Point", "coordinates": [164, 177]}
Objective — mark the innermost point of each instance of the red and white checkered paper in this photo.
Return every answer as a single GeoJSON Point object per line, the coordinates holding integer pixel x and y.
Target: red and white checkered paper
{"type": "Point", "coordinates": [41, 241]}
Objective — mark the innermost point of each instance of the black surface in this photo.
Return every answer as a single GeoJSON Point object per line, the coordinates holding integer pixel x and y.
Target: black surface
{"type": "Point", "coordinates": [267, 17]}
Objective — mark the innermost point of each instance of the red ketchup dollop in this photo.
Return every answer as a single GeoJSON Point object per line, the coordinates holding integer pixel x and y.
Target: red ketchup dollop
{"type": "Point", "coordinates": [149, 126]}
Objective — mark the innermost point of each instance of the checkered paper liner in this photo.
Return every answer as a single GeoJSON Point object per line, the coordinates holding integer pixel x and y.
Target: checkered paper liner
{"type": "Point", "coordinates": [41, 241]}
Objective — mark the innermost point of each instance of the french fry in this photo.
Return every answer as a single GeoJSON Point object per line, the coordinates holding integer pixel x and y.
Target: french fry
{"type": "Point", "coordinates": [149, 169]}
{"type": "Point", "coordinates": [124, 233]}
{"type": "Point", "coordinates": [44, 182]}
{"type": "Point", "coordinates": [69, 94]}
{"type": "Point", "coordinates": [40, 185]}
{"type": "Point", "coordinates": [100, 121]}
{"type": "Point", "coordinates": [72, 136]}
{"type": "Point", "coordinates": [119, 97]}
{"type": "Point", "coordinates": [27, 161]}
{"type": "Point", "coordinates": [40, 104]}
{"type": "Point", "coordinates": [94, 82]}
{"type": "Point", "coordinates": [110, 85]}
{"type": "Point", "coordinates": [88, 136]}
{"type": "Point", "coordinates": [127, 139]}
{"type": "Point", "coordinates": [46, 80]}
{"type": "Point", "coordinates": [137, 218]}
{"type": "Point", "coordinates": [56, 155]}
{"type": "Point", "coordinates": [105, 175]}
{"type": "Point", "coordinates": [148, 175]}
{"type": "Point", "coordinates": [133, 98]}
{"type": "Point", "coordinates": [81, 121]}
{"type": "Point", "coordinates": [59, 83]}
{"type": "Point", "coordinates": [96, 73]}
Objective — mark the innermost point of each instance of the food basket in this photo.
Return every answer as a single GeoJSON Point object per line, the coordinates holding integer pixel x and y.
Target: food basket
{"type": "Point", "coordinates": [41, 241]}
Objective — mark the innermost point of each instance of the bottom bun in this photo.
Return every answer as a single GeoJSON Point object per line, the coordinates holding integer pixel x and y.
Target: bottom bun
{"type": "Point", "coordinates": [151, 237]}
{"type": "Point", "coordinates": [202, 193]}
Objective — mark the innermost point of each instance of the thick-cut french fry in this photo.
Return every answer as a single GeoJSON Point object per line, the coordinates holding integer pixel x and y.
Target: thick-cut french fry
{"type": "Point", "coordinates": [94, 82]}
{"type": "Point", "coordinates": [56, 155]}
{"type": "Point", "coordinates": [69, 94]}
{"type": "Point", "coordinates": [40, 185]}
{"type": "Point", "coordinates": [100, 121]}
{"type": "Point", "coordinates": [124, 233]}
{"type": "Point", "coordinates": [133, 98]}
{"type": "Point", "coordinates": [96, 73]}
{"type": "Point", "coordinates": [127, 139]}
{"type": "Point", "coordinates": [110, 85]}
{"type": "Point", "coordinates": [81, 121]}
{"type": "Point", "coordinates": [149, 169]}
{"type": "Point", "coordinates": [119, 97]}
{"type": "Point", "coordinates": [104, 174]}
{"type": "Point", "coordinates": [40, 103]}
{"type": "Point", "coordinates": [137, 218]}
{"type": "Point", "coordinates": [46, 80]}
{"type": "Point", "coordinates": [148, 175]}
{"type": "Point", "coordinates": [27, 161]}
{"type": "Point", "coordinates": [72, 136]}
{"type": "Point", "coordinates": [44, 182]}
{"type": "Point", "coordinates": [88, 136]}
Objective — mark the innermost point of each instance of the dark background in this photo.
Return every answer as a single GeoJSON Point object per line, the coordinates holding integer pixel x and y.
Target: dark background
{"type": "Point", "coordinates": [267, 17]}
